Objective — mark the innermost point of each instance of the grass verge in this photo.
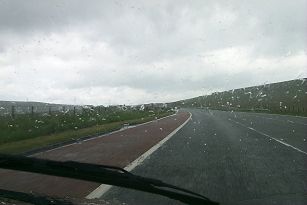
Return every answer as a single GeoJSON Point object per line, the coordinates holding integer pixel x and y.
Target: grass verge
{"type": "Point", "coordinates": [22, 146]}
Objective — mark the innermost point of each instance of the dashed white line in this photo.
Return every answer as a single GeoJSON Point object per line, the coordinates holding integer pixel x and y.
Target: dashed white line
{"type": "Point", "coordinates": [290, 121]}
{"type": "Point", "coordinates": [261, 115]}
{"type": "Point", "coordinates": [266, 135]}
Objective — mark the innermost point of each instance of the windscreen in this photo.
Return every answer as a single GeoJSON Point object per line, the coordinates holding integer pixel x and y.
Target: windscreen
{"type": "Point", "coordinates": [205, 95]}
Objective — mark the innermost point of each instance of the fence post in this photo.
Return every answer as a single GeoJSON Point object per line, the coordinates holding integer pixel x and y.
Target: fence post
{"type": "Point", "coordinates": [32, 110]}
{"type": "Point", "coordinates": [13, 111]}
{"type": "Point", "coordinates": [49, 110]}
{"type": "Point", "coordinates": [74, 110]}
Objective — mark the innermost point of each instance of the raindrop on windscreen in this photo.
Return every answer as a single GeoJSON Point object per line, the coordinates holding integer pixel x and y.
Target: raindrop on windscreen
{"type": "Point", "coordinates": [142, 108]}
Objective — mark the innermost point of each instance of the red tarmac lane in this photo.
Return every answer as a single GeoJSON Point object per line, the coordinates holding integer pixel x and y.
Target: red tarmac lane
{"type": "Point", "coordinates": [116, 149]}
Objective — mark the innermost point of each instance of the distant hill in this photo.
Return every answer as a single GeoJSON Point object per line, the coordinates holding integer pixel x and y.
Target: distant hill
{"type": "Point", "coordinates": [289, 97]}
{"type": "Point", "coordinates": [282, 97]}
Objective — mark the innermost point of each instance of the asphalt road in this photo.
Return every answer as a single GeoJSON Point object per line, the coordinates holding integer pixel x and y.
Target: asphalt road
{"type": "Point", "coordinates": [230, 157]}
{"type": "Point", "coordinates": [119, 148]}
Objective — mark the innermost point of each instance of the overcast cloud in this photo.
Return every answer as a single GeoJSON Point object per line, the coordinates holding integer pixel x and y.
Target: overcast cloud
{"type": "Point", "coordinates": [132, 52]}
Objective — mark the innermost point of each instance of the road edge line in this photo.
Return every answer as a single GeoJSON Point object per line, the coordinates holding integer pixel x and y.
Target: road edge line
{"type": "Point", "coordinates": [103, 188]}
{"type": "Point", "coordinates": [266, 135]}
{"type": "Point", "coordinates": [103, 135]}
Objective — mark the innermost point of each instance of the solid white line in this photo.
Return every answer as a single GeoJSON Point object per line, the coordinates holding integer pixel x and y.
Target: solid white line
{"type": "Point", "coordinates": [103, 188]}
{"type": "Point", "coordinates": [264, 134]}
{"type": "Point", "coordinates": [116, 131]}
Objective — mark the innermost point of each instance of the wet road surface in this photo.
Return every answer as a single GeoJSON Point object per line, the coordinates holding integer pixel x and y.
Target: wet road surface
{"type": "Point", "coordinates": [230, 157]}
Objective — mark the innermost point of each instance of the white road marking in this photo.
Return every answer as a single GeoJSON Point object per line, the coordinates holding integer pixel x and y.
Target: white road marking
{"type": "Point", "coordinates": [281, 115]}
{"type": "Point", "coordinates": [264, 134]}
{"type": "Point", "coordinates": [109, 133]}
{"type": "Point", "coordinates": [289, 121]}
{"type": "Point", "coordinates": [261, 115]}
{"type": "Point", "coordinates": [103, 188]}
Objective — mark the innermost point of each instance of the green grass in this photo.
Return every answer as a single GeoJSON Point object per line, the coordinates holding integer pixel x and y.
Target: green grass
{"type": "Point", "coordinates": [288, 97]}
{"type": "Point", "coordinates": [62, 128]}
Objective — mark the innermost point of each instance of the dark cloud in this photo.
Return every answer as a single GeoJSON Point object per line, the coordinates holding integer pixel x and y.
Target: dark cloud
{"type": "Point", "coordinates": [178, 48]}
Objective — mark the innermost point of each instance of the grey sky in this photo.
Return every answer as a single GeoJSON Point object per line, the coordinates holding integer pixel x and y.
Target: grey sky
{"type": "Point", "coordinates": [130, 52]}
